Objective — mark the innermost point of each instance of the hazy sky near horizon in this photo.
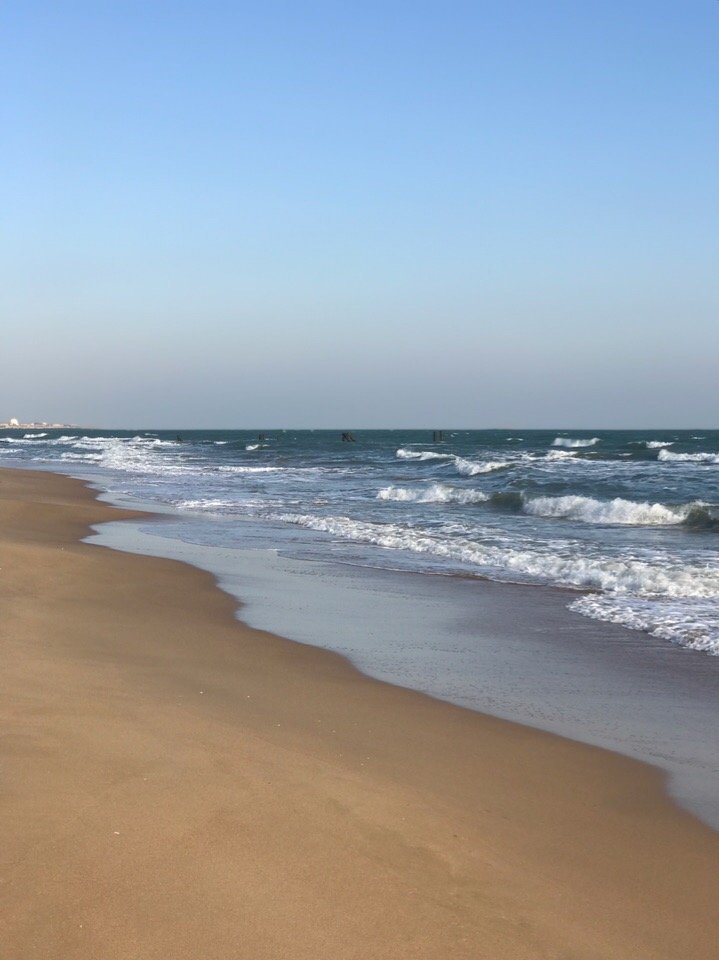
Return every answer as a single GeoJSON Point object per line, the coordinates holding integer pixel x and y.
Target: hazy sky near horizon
{"type": "Point", "coordinates": [360, 214]}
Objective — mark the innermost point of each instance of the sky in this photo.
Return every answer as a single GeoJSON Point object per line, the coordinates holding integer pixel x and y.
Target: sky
{"type": "Point", "coordinates": [360, 214]}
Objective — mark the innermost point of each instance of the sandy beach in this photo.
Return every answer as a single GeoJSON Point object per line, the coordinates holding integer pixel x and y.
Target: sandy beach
{"type": "Point", "coordinates": [177, 785]}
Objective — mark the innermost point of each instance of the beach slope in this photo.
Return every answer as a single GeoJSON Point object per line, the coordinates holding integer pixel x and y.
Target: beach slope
{"type": "Point", "coordinates": [177, 786]}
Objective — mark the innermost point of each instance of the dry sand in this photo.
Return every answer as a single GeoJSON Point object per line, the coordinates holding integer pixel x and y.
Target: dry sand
{"type": "Point", "coordinates": [178, 786]}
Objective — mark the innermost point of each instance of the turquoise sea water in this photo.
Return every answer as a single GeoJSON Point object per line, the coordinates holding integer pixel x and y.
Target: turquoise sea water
{"type": "Point", "coordinates": [628, 521]}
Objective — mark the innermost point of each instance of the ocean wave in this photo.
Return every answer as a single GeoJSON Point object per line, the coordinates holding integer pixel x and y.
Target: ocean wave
{"type": "Point", "coordinates": [471, 468]}
{"type": "Point", "coordinates": [559, 455]}
{"type": "Point", "coordinates": [28, 438]}
{"type": "Point", "coordinates": [33, 436]}
{"type": "Point", "coordinates": [657, 444]}
{"type": "Point", "coordinates": [437, 493]}
{"type": "Point", "coordinates": [690, 623]}
{"type": "Point", "coordinates": [574, 442]}
{"type": "Point", "coordinates": [468, 468]}
{"type": "Point", "coordinates": [155, 442]}
{"type": "Point", "coordinates": [620, 512]}
{"type": "Point", "coordinates": [404, 454]}
{"type": "Point", "coordinates": [656, 577]}
{"type": "Point", "coordinates": [238, 468]}
{"type": "Point", "coordinates": [208, 504]}
{"type": "Point", "coordinates": [87, 457]}
{"type": "Point", "coordinates": [688, 457]}
{"type": "Point", "coordinates": [252, 446]}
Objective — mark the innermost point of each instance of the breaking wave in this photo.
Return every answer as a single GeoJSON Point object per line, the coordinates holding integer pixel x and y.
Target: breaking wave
{"type": "Point", "coordinates": [657, 444]}
{"type": "Point", "coordinates": [572, 442]}
{"type": "Point", "coordinates": [404, 454]}
{"type": "Point", "coordinates": [621, 512]}
{"type": "Point", "coordinates": [560, 455]}
{"type": "Point", "coordinates": [437, 493]}
{"type": "Point", "coordinates": [688, 457]}
{"type": "Point", "coordinates": [658, 577]}
{"type": "Point", "coordinates": [692, 623]}
{"type": "Point", "coordinates": [468, 468]}
{"type": "Point", "coordinates": [471, 468]}
{"type": "Point", "coordinates": [237, 468]}
{"type": "Point", "coordinates": [618, 512]}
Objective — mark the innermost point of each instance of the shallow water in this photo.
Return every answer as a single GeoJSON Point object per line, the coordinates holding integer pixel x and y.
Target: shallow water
{"type": "Point", "coordinates": [513, 651]}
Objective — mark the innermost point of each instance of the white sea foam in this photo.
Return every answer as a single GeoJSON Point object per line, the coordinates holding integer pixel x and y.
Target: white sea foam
{"type": "Point", "coordinates": [692, 623]}
{"type": "Point", "coordinates": [252, 446]}
{"type": "Point", "coordinates": [559, 563]}
{"type": "Point", "coordinates": [33, 436]}
{"type": "Point", "coordinates": [28, 438]}
{"type": "Point", "coordinates": [688, 457]}
{"type": "Point", "coordinates": [88, 457]}
{"type": "Point", "coordinates": [404, 454]}
{"type": "Point", "coordinates": [241, 468]}
{"type": "Point", "coordinates": [468, 468]}
{"type": "Point", "coordinates": [209, 504]}
{"type": "Point", "coordinates": [617, 511]}
{"type": "Point", "coordinates": [471, 468]}
{"type": "Point", "coordinates": [437, 493]}
{"type": "Point", "coordinates": [574, 442]}
{"type": "Point", "coordinates": [561, 455]}
{"type": "Point", "coordinates": [657, 444]}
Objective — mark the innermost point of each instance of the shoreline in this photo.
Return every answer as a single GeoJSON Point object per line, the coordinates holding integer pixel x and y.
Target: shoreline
{"type": "Point", "coordinates": [180, 784]}
{"type": "Point", "coordinates": [512, 651]}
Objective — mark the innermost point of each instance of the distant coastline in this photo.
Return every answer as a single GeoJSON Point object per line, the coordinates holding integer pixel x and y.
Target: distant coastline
{"type": "Point", "coordinates": [13, 424]}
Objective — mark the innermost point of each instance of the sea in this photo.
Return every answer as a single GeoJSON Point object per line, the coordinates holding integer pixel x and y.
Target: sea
{"type": "Point", "coordinates": [626, 521]}
{"type": "Point", "coordinates": [566, 579]}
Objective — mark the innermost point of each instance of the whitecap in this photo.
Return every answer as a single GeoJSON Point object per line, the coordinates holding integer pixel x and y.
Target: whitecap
{"type": "Point", "coordinates": [404, 454]}
{"type": "Point", "coordinates": [560, 455]}
{"type": "Point", "coordinates": [437, 493]}
{"type": "Point", "coordinates": [471, 468]}
{"type": "Point", "coordinates": [616, 512]}
{"type": "Point", "coordinates": [574, 442]}
{"type": "Point", "coordinates": [244, 469]}
{"type": "Point", "coordinates": [688, 457]}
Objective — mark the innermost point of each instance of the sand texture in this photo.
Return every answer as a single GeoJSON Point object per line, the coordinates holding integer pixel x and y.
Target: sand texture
{"type": "Point", "coordinates": [177, 786]}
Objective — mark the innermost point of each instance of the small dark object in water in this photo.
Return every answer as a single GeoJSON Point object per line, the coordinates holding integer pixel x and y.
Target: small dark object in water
{"type": "Point", "coordinates": [261, 437]}
{"type": "Point", "coordinates": [348, 438]}
{"type": "Point", "coordinates": [438, 436]}
{"type": "Point", "coordinates": [178, 439]}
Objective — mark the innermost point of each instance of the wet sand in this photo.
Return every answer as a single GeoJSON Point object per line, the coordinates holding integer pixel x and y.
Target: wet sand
{"type": "Point", "coordinates": [178, 785]}
{"type": "Point", "coordinates": [510, 650]}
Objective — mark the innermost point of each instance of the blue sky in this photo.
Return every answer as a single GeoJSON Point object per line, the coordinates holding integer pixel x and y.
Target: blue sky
{"type": "Point", "coordinates": [362, 214]}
